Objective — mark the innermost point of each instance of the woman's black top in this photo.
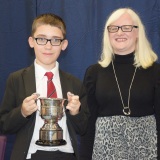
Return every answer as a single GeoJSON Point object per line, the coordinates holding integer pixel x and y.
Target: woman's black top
{"type": "Point", "coordinates": [104, 98]}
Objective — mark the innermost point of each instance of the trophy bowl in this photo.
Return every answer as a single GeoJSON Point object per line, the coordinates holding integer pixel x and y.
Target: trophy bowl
{"type": "Point", "coordinates": [51, 110]}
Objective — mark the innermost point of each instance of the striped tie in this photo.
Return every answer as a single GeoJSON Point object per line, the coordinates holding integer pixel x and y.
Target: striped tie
{"type": "Point", "coordinates": [51, 90]}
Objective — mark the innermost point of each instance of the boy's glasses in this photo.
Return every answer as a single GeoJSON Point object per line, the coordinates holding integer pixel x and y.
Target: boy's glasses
{"type": "Point", "coordinates": [124, 28]}
{"type": "Point", "coordinates": [54, 41]}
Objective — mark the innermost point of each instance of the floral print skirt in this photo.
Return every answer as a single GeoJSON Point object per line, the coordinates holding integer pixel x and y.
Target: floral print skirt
{"type": "Point", "coordinates": [125, 138]}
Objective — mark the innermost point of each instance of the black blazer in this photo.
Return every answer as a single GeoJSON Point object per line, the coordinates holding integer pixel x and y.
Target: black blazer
{"type": "Point", "coordinates": [20, 85]}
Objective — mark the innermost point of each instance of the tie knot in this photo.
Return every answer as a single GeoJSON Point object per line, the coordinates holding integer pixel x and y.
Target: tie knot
{"type": "Point", "coordinates": [49, 75]}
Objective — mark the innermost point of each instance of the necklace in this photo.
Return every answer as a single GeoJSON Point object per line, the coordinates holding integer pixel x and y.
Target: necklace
{"type": "Point", "coordinates": [126, 109]}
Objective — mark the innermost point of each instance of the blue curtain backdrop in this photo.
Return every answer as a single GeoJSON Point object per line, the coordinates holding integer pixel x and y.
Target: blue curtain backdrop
{"type": "Point", "coordinates": [85, 21]}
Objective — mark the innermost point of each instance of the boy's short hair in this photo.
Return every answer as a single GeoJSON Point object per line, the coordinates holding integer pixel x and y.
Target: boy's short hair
{"type": "Point", "coordinates": [49, 19]}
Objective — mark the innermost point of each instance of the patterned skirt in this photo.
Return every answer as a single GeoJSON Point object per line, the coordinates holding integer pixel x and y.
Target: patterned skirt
{"type": "Point", "coordinates": [125, 138]}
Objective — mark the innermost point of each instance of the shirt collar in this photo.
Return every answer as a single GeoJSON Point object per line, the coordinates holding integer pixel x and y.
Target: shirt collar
{"type": "Point", "coordinates": [40, 71]}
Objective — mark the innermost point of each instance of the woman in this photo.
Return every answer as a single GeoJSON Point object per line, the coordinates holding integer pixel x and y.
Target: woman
{"type": "Point", "coordinates": [123, 94]}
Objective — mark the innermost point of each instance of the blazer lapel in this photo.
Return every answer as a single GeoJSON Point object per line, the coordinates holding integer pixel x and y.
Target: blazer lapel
{"type": "Point", "coordinates": [65, 83]}
{"type": "Point", "coordinates": [29, 80]}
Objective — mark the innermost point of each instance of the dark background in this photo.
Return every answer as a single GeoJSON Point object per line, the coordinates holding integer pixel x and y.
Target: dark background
{"type": "Point", "coordinates": [85, 21]}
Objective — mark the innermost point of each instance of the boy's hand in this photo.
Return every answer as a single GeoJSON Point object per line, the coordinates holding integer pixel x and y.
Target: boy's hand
{"type": "Point", "coordinates": [29, 105]}
{"type": "Point", "coordinates": [73, 103]}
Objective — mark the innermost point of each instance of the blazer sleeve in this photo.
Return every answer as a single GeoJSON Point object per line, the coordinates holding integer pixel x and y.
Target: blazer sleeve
{"type": "Point", "coordinates": [87, 140]}
{"type": "Point", "coordinates": [11, 119]}
{"type": "Point", "coordinates": [70, 83]}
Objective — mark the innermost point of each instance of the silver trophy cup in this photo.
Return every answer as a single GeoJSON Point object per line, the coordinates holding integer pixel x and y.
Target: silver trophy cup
{"type": "Point", "coordinates": [51, 110]}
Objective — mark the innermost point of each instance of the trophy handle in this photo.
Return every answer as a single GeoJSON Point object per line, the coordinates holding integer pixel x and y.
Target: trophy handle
{"type": "Point", "coordinates": [64, 103]}
{"type": "Point", "coordinates": [37, 94]}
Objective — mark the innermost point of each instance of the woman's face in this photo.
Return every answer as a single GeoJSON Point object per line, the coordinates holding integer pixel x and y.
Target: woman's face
{"type": "Point", "coordinates": [123, 42]}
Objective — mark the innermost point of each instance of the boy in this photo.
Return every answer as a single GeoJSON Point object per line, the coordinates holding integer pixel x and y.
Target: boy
{"type": "Point", "coordinates": [19, 111]}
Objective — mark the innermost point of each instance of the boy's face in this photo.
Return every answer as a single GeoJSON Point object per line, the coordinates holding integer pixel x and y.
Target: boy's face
{"type": "Point", "coordinates": [46, 55]}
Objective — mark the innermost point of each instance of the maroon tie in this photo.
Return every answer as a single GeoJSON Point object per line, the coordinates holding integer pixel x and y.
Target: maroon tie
{"type": "Point", "coordinates": [51, 90]}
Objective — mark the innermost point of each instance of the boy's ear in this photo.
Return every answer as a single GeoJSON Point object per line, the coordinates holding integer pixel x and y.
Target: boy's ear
{"type": "Point", "coordinates": [30, 41]}
{"type": "Point", "coordinates": [64, 44]}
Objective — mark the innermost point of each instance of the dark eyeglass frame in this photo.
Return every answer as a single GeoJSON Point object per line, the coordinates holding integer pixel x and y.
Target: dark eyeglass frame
{"type": "Point", "coordinates": [121, 27]}
{"type": "Point", "coordinates": [49, 41]}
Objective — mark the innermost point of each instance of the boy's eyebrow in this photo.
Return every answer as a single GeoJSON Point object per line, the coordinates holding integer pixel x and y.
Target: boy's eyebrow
{"type": "Point", "coordinates": [42, 35]}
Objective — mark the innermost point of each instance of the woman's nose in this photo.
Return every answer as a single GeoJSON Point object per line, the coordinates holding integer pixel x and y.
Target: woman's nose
{"type": "Point", "coordinates": [120, 31]}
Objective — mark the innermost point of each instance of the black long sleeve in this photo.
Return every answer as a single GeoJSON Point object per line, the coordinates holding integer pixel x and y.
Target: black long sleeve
{"type": "Point", "coordinates": [104, 98]}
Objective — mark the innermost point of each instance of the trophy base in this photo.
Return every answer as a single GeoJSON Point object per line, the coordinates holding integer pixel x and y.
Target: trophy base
{"type": "Point", "coordinates": [51, 143]}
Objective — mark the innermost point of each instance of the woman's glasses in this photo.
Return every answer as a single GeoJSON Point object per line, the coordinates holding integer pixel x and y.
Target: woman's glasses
{"type": "Point", "coordinates": [124, 28]}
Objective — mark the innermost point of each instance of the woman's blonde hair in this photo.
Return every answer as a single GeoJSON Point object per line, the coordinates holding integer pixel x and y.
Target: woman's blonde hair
{"type": "Point", "coordinates": [144, 55]}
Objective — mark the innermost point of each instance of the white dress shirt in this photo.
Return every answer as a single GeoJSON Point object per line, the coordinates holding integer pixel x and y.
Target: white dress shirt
{"type": "Point", "coordinates": [41, 88]}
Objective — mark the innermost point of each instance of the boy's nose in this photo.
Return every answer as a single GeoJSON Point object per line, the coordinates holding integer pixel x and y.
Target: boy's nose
{"type": "Point", "coordinates": [48, 44]}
